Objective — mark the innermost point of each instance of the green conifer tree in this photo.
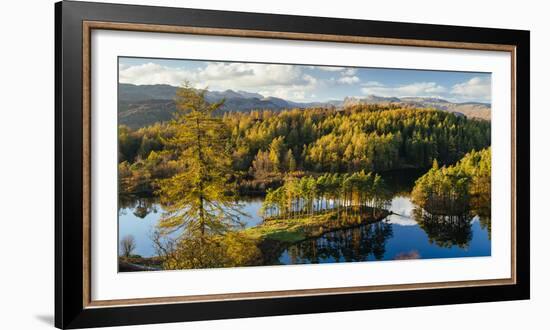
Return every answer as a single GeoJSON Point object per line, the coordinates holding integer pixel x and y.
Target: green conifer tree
{"type": "Point", "coordinates": [200, 197]}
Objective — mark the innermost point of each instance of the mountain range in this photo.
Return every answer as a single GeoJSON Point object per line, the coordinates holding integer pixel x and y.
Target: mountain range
{"type": "Point", "coordinates": [142, 105]}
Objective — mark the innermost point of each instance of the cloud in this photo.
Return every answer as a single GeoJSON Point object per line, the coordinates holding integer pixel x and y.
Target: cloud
{"type": "Point", "coordinates": [414, 89]}
{"type": "Point", "coordinates": [285, 81]}
{"type": "Point", "coordinates": [152, 73]}
{"type": "Point", "coordinates": [300, 91]}
{"type": "Point", "coordinates": [243, 75]}
{"type": "Point", "coordinates": [477, 88]}
{"type": "Point", "coordinates": [348, 77]}
{"type": "Point", "coordinates": [349, 80]}
{"type": "Point", "coordinates": [349, 72]}
{"type": "Point", "coordinates": [223, 71]}
{"type": "Point", "coordinates": [330, 68]}
{"type": "Point", "coordinates": [342, 70]}
{"type": "Point", "coordinates": [372, 84]}
{"type": "Point", "coordinates": [294, 82]}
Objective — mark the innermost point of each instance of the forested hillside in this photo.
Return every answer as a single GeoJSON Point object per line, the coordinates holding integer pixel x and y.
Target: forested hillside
{"type": "Point", "coordinates": [267, 145]}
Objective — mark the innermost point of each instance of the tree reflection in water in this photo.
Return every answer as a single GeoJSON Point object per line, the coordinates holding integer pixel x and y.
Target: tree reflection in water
{"type": "Point", "coordinates": [445, 230]}
{"type": "Point", "coordinates": [141, 206]}
{"type": "Point", "coordinates": [485, 223]}
{"type": "Point", "coordinates": [356, 244]}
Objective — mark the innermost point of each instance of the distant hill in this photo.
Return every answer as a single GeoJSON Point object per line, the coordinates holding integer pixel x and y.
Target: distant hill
{"type": "Point", "coordinates": [129, 92]}
{"type": "Point", "coordinates": [142, 105]}
{"type": "Point", "coordinates": [469, 109]}
{"type": "Point", "coordinates": [241, 100]}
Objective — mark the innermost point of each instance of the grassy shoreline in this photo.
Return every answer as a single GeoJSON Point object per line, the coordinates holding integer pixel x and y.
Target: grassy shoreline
{"type": "Point", "coordinates": [293, 230]}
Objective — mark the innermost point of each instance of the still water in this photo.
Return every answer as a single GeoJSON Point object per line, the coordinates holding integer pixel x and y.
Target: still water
{"type": "Point", "coordinates": [403, 235]}
{"type": "Point", "coordinates": [139, 216]}
{"type": "Point", "coordinates": [406, 234]}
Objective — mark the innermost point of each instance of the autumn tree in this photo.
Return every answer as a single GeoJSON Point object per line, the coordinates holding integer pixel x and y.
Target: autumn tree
{"type": "Point", "coordinates": [191, 252]}
{"type": "Point", "coordinates": [354, 192]}
{"type": "Point", "coordinates": [290, 161]}
{"type": "Point", "coordinates": [262, 165]}
{"type": "Point", "coordinates": [275, 153]}
{"type": "Point", "coordinates": [200, 197]}
{"type": "Point", "coordinates": [458, 188]}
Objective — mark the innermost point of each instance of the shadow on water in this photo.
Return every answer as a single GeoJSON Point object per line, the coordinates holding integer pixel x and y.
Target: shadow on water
{"type": "Point", "coordinates": [401, 182]}
{"type": "Point", "coordinates": [362, 243]}
{"type": "Point", "coordinates": [445, 230]}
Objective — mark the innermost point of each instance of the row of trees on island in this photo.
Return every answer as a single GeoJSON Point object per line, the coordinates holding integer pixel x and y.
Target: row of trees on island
{"type": "Point", "coordinates": [458, 188]}
{"type": "Point", "coordinates": [329, 192]}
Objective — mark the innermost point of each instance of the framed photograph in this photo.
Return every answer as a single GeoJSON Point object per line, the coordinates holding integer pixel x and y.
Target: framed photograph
{"type": "Point", "coordinates": [214, 164]}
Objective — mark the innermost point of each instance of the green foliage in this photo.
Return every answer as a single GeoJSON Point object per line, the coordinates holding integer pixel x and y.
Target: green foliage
{"type": "Point", "coordinates": [230, 250]}
{"type": "Point", "coordinates": [290, 161]}
{"type": "Point", "coordinates": [328, 192]}
{"type": "Point", "coordinates": [267, 145]}
{"type": "Point", "coordinates": [372, 138]}
{"type": "Point", "coordinates": [275, 153]}
{"type": "Point", "coordinates": [199, 197]}
{"type": "Point", "coordinates": [299, 228]}
{"type": "Point", "coordinates": [456, 189]}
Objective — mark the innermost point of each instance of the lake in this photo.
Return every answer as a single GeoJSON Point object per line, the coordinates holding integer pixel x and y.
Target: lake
{"type": "Point", "coordinates": [408, 233]}
{"type": "Point", "coordinates": [399, 236]}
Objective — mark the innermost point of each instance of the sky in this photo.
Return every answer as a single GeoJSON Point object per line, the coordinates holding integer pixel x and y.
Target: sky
{"type": "Point", "coordinates": [305, 83]}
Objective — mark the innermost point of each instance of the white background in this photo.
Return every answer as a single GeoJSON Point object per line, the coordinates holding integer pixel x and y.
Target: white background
{"type": "Point", "coordinates": [27, 168]}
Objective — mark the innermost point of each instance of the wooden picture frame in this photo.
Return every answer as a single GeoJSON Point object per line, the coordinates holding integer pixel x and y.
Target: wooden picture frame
{"type": "Point", "coordinates": [74, 307]}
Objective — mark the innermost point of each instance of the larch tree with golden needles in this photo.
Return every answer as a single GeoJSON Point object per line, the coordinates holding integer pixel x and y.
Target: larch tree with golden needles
{"type": "Point", "coordinates": [200, 198]}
